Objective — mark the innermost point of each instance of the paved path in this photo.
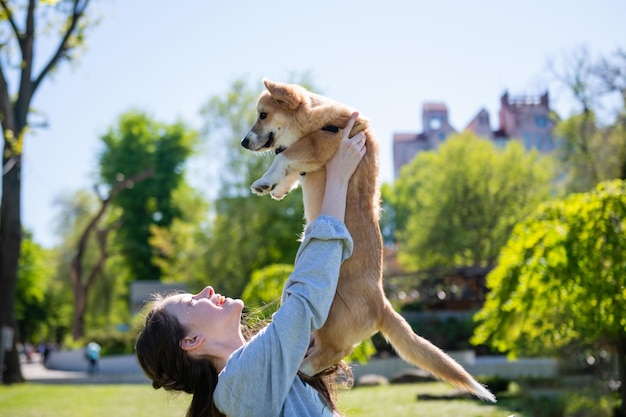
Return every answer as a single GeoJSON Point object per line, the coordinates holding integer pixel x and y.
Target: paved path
{"type": "Point", "coordinates": [71, 368]}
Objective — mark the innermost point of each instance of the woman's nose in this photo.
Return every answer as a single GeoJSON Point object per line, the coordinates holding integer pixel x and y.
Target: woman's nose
{"type": "Point", "coordinates": [207, 292]}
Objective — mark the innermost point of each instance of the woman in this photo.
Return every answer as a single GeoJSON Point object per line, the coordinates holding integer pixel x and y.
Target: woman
{"type": "Point", "coordinates": [195, 344]}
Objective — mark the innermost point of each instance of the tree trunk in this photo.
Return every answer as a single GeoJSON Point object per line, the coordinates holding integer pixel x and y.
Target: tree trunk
{"type": "Point", "coordinates": [80, 306]}
{"type": "Point", "coordinates": [621, 368]}
{"type": "Point", "coordinates": [13, 119]}
{"type": "Point", "coordinates": [10, 246]}
{"type": "Point", "coordinates": [81, 284]}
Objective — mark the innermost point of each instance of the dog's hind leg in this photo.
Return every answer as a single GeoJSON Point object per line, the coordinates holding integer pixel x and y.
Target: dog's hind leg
{"type": "Point", "coordinates": [321, 358]}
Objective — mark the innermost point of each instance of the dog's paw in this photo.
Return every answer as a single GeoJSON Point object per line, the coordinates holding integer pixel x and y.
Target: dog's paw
{"type": "Point", "coordinates": [284, 187]}
{"type": "Point", "coordinates": [281, 190]}
{"type": "Point", "coordinates": [260, 187]}
{"type": "Point", "coordinates": [277, 195]}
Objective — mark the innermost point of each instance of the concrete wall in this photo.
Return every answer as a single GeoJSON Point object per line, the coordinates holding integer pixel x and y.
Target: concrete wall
{"type": "Point", "coordinates": [477, 366]}
{"type": "Point", "coordinates": [74, 361]}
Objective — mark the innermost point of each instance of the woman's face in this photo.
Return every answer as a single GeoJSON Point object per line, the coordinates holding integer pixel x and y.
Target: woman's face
{"type": "Point", "coordinates": [207, 314]}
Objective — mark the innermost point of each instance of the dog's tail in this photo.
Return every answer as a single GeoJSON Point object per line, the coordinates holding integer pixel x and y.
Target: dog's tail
{"type": "Point", "coordinates": [420, 352]}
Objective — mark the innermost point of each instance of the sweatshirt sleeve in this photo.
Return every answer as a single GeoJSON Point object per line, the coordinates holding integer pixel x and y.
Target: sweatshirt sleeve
{"type": "Point", "coordinates": [259, 376]}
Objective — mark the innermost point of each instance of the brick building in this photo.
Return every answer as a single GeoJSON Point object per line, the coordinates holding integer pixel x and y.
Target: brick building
{"type": "Point", "coordinates": [525, 118]}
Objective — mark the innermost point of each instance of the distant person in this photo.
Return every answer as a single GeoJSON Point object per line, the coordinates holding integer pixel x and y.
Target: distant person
{"type": "Point", "coordinates": [46, 349]}
{"type": "Point", "coordinates": [93, 356]}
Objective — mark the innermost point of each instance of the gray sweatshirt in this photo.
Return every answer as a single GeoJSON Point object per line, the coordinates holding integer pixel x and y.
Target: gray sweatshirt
{"type": "Point", "coordinates": [260, 378]}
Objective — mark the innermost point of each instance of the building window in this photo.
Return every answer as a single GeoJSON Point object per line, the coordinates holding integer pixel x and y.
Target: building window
{"type": "Point", "coordinates": [434, 123]}
{"type": "Point", "coordinates": [527, 141]}
{"type": "Point", "coordinates": [541, 120]}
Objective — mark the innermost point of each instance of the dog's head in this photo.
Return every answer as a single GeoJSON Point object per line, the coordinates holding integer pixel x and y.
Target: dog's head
{"type": "Point", "coordinates": [286, 112]}
{"type": "Point", "coordinates": [276, 110]}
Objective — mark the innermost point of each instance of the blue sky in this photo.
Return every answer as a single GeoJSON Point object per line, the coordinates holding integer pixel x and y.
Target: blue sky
{"type": "Point", "coordinates": [383, 58]}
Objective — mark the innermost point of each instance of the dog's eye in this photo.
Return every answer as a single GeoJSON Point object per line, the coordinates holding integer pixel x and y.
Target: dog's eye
{"type": "Point", "coordinates": [262, 115]}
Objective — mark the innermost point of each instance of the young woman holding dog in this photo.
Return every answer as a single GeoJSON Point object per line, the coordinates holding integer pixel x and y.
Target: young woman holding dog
{"type": "Point", "coordinates": [195, 343]}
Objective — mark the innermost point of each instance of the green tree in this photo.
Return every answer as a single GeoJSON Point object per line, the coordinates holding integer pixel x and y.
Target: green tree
{"type": "Point", "coordinates": [92, 246]}
{"type": "Point", "coordinates": [560, 279]}
{"type": "Point", "coordinates": [180, 248]}
{"type": "Point", "coordinates": [263, 291]}
{"type": "Point", "coordinates": [22, 22]}
{"type": "Point", "coordinates": [32, 292]}
{"type": "Point", "coordinates": [457, 207]}
{"type": "Point", "coordinates": [590, 153]}
{"type": "Point", "coordinates": [388, 214]}
{"type": "Point", "coordinates": [593, 141]}
{"type": "Point", "coordinates": [247, 232]}
{"type": "Point", "coordinates": [139, 144]}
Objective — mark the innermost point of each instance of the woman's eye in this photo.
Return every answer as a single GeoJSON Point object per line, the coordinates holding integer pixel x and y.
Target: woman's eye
{"type": "Point", "coordinates": [262, 115]}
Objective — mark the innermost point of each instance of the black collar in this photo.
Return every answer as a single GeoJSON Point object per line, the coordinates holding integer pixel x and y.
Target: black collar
{"type": "Point", "coordinates": [331, 128]}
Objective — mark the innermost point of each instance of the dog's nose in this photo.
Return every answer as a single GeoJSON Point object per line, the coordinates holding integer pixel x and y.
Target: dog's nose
{"type": "Point", "coordinates": [245, 142]}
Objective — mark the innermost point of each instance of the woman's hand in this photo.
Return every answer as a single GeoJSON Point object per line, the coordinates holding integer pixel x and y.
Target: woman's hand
{"type": "Point", "coordinates": [347, 157]}
{"type": "Point", "coordinates": [339, 170]}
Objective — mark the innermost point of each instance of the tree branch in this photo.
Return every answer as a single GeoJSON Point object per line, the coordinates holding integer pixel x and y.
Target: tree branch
{"type": "Point", "coordinates": [78, 11]}
{"type": "Point", "coordinates": [10, 19]}
{"type": "Point", "coordinates": [127, 183]}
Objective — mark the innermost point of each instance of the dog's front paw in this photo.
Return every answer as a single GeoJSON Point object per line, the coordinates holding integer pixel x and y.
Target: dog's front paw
{"type": "Point", "coordinates": [260, 187]}
{"type": "Point", "coordinates": [277, 195]}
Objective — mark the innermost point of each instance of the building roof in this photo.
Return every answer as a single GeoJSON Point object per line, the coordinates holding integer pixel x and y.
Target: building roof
{"type": "Point", "coordinates": [435, 107]}
{"type": "Point", "coordinates": [405, 137]}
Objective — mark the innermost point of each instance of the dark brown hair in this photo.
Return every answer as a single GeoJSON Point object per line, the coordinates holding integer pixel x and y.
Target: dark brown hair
{"type": "Point", "coordinates": [169, 367]}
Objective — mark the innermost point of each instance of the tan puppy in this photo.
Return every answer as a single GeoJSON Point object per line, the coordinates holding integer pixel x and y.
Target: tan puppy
{"type": "Point", "coordinates": [304, 131]}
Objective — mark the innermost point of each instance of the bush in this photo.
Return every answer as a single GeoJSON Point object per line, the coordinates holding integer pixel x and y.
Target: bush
{"type": "Point", "coordinates": [496, 384]}
{"type": "Point", "coordinates": [447, 334]}
{"type": "Point", "coordinates": [113, 341]}
{"type": "Point", "coordinates": [544, 407]}
{"type": "Point", "coordinates": [585, 405]}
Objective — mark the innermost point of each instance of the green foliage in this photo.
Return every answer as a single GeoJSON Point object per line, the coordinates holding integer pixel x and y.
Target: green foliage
{"type": "Point", "coordinates": [587, 404]}
{"type": "Point", "coordinates": [262, 294]}
{"type": "Point", "coordinates": [266, 286]}
{"type": "Point", "coordinates": [448, 334]}
{"type": "Point", "coordinates": [387, 221]}
{"type": "Point", "coordinates": [107, 296]}
{"type": "Point", "coordinates": [590, 153]}
{"type": "Point", "coordinates": [137, 145]}
{"type": "Point", "coordinates": [33, 296]}
{"type": "Point", "coordinates": [113, 341]}
{"type": "Point", "coordinates": [544, 406]}
{"type": "Point", "coordinates": [180, 247]}
{"type": "Point", "coordinates": [458, 206]}
{"type": "Point", "coordinates": [226, 121]}
{"type": "Point", "coordinates": [497, 385]}
{"type": "Point", "coordinates": [592, 143]}
{"type": "Point", "coordinates": [249, 233]}
{"type": "Point", "coordinates": [362, 352]}
{"type": "Point", "coordinates": [560, 278]}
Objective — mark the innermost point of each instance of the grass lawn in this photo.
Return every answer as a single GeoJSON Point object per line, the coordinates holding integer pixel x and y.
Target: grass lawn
{"type": "Point", "coordinates": [39, 400]}
{"type": "Point", "coordinates": [401, 400]}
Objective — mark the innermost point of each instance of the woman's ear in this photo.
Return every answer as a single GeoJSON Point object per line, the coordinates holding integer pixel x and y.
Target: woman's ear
{"type": "Point", "coordinates": [191, 342]}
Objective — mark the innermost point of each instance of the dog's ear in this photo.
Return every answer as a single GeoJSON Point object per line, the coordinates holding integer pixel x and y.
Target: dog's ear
{"type": "Point", "coordinates": [283, 93]}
